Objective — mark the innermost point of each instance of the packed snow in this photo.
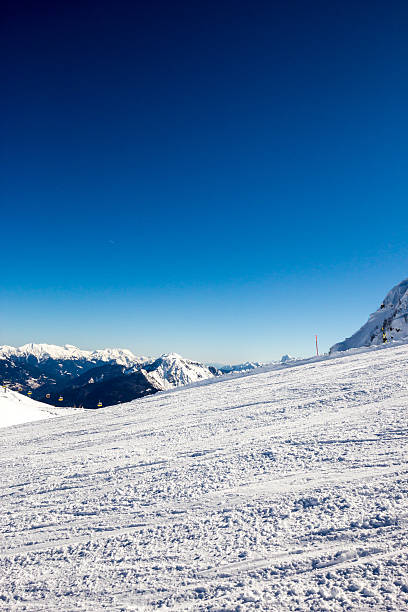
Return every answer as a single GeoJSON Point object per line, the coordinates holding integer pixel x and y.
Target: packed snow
{"type": "Point", "coordinates": [16, 409]}
{"type": "Point", "coordinates": [284, 489]}
{"type": "Point", "coordinates": [389, 322]}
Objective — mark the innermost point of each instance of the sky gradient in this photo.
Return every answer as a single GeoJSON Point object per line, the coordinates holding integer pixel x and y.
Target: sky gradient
{"type": "Point", "coordinates": [220, 179]}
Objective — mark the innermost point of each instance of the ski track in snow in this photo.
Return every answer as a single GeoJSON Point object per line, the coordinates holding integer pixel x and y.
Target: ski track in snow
{"type": "Point", "coordinates": [279, 490]}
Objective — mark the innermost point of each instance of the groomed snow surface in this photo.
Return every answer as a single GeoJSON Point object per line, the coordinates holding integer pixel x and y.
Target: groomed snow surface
{"type": "Point", "coordinates": [280, 490]}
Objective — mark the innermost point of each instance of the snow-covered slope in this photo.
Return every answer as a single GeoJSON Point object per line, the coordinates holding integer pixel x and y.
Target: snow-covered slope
{"type": "Point", "coordinates": [280, 490]}
{"type": "Point", "coordinates": [392, 315]}
{"type": "Point", "coordinates": [172, 370]}
{"type": "Point", "coordinates": [16, 409]}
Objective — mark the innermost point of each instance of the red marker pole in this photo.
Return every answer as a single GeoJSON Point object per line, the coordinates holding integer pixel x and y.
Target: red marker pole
{"type": "Point", "coordinates": [317, 348]}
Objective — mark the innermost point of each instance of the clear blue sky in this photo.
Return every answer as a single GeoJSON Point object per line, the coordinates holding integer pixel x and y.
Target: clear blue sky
{"type": "Point", "coordinates": [220, 179]}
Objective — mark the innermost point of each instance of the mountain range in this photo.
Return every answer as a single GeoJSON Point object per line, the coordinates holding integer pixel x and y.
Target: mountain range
{"type": "Point", "coordinates": [68, 376]}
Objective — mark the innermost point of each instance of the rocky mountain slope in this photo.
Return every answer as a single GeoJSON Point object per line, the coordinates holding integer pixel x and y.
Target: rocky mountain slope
{"type": "Point", "coordinates": [388, 322]}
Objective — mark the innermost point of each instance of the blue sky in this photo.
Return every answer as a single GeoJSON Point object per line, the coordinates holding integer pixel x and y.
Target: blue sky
{"type": "Point", "coordinates": [219, 179]}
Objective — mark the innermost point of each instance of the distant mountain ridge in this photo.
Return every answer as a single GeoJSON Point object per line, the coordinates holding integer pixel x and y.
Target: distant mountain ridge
{"type": "Point", "coordinates": [88, 378]}
{"type": "Point", "coordinates": [241, 367]}
{"type": "Point", "coordinates": [251, 365]}
{"type": "Point", "coordinates": [42, 352]}
{"type": "Point", "coordinates": [389, 322]}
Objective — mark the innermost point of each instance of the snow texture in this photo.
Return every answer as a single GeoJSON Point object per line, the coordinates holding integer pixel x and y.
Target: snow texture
{"type": "Point", "coordinates": [16, 409]}
{"type": "Point", "coordinates": [392, 315]}
{"type": "Point", "coordinates": [284, 489]}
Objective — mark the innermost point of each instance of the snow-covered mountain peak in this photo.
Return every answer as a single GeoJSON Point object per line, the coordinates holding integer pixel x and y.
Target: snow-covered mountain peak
{"type": "Point", "coordinates": [45, 351]}
{"type": "Point", "coordinates": [388, 322]}
{"type": "Point", "coordinates": [170, 356]}
{"type": "Point", "coordinates": [173, 370]}
{"type": "Point", "coordinates": [6, 351]}
{"type": "Point", "coordinates": [397, 294]}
